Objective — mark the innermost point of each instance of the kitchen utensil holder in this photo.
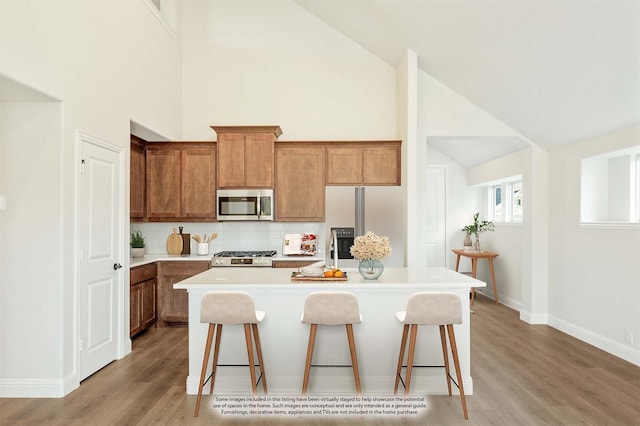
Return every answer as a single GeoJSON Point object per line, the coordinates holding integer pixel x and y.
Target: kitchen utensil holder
{"type": "Point", "coordinates": [203, 249]}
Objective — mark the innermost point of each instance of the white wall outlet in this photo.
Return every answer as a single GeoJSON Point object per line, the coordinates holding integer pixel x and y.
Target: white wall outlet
{"type": "Point", "coordinates": [3, 202]}
{"type": "Point", "coordinates": [628, 336]}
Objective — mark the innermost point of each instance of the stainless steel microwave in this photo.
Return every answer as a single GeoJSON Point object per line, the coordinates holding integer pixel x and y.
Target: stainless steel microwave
{"type": "Point", "coordinates": [245, 204]}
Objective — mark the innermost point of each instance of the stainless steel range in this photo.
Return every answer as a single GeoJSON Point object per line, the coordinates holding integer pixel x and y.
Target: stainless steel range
{"type": "Point", "coordinates": [244, 258]}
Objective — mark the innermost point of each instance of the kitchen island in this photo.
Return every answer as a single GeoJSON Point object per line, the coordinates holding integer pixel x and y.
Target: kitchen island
{"type": "Point", "coordinates": [284, 338]}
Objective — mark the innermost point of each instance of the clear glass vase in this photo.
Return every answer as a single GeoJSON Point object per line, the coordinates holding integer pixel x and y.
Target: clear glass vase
{"type": "Point", "coordinates": [476, 245]}
{"type": "Point", "coordinates": [370, 269]}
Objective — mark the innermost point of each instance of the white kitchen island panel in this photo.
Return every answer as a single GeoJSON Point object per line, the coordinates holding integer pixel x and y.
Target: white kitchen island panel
{"type": "Point", "coordinates": [284, 338]}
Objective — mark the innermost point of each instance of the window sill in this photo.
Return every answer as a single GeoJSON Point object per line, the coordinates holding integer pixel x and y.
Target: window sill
{"type": "Point", "coordinates": [610, 225]}
{"type": "Point", "coordinates": [508, 224]}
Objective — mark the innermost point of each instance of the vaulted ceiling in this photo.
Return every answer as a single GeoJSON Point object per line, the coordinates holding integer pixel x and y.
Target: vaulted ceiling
{"type": "Point", "coordinates": [557, 72]}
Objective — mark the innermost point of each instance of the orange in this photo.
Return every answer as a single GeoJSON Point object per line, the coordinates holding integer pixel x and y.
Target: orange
{"type": "Point", "coordinates": [338, 274]}
{"type": "Point", "coordinates": [328, 274]}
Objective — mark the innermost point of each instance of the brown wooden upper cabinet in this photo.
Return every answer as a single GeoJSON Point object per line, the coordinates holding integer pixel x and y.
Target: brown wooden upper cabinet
{"type": "Point", "coordinates": [246, 156]}
{"type": "Point", "coordinates": [300, 183]}
{"type": "Point", "coordinates": [364, 163]}
{"type": "Point", "coordinates": [180, 181]}
{"type": "Point", "coordinates": [137, 174]}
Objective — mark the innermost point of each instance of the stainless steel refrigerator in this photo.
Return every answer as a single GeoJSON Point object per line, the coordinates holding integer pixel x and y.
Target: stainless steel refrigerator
{"type": "Point", "coordinates": [372, 208]}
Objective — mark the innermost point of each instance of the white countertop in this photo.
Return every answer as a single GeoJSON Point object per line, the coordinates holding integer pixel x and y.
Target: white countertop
{"type": "Point", "coordinates": [441, 278]}
{"type": "Point", "coordinates": [150, 258]}
{"type": "Point", "coordinates": [163, 257]}
{"type": "Point", "coordinates": [298, 258]}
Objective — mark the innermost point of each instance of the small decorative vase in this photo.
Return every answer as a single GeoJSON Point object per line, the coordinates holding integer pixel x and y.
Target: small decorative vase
{"type": "Point", "coordinates": [467, 241]}
{"type": "Point", "coordinates": [370, 269]}
{"type": "Point", "coordinates": [137, 252]}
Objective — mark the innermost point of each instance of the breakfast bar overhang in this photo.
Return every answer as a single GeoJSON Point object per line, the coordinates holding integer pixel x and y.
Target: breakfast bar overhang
{"type": "Point", "coordinates": [284, 338]}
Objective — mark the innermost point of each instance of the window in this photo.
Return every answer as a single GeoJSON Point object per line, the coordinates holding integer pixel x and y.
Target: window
{"type": "Point", "coordinates": [498, 211]}
{"type": "Point", "coordinates": [505, 200]}
{"type": "Point", "coordinates": [610, 187]}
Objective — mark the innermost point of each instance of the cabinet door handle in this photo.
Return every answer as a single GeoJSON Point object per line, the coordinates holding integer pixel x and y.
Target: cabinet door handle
{"type": "Point", "coordinates": [116, 266]}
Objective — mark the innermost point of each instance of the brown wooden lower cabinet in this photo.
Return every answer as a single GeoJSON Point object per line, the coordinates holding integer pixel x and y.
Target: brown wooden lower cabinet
{"type": "Point", "coordinates": [142, 299]}
{"type": "Point", "coordinates": [292, 263]}
{"type": "Point", "coordinates": [173, 305]}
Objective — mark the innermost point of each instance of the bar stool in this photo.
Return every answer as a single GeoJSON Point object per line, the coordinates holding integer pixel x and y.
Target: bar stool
{"type": "Point", "coordinates": [230, 307]}
{"type": "Point", "coordinates": [331, 308]}
{"type": "Point", "coordinates": [431, 308]}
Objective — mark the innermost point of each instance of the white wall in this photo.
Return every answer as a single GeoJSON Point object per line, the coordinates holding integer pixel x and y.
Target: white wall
{"type": "Point", "coordinates": [594, 190]}
{"type": "Point", "coordinates": [413, 177]}
{"type": "Point", "coordinates": [594, 284]}
{"type": "Point", "coordinates": [30, 308]}
{"type": "Point", "coordinates": [108, 63]}
{"type": "Point", "coordinates": [257, 62]}
{"type": "Point", "coordinates": [508, 238]}
{"type": "Point", "coordinates": [444, 112]}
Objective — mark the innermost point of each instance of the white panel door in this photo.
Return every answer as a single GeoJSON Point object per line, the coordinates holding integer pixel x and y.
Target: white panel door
{"type": "Point", "coordinates": [436, 216]}
{"type": "Point", "coordinates": [100, 273]}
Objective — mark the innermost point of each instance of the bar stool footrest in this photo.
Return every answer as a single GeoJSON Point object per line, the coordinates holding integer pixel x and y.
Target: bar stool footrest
{"type": "Point", "coordinates": [235, 365]}
{"type": "Point", "coordinates": [428, 366]}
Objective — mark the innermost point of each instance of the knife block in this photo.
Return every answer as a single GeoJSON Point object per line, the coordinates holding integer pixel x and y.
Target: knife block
{"type": "Point", "coordinates": [186, 243]}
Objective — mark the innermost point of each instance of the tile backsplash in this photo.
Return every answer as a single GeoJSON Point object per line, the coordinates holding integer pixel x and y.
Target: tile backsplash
{"type": "Point", "coordinates": [231, 235]}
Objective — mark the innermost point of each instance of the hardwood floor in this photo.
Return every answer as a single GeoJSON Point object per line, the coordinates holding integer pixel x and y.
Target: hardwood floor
{"type": "Point", "coordinates": [523, 375]}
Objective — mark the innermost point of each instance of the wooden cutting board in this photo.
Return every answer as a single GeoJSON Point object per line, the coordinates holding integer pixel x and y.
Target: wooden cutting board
{"type": "Point", "coordinates": [174, 243]}
{"type": "Point", "coordinates": [297, 276]}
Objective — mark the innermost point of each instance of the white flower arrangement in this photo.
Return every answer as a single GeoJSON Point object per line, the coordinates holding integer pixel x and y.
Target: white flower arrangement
{"type": "Point", "coordinates": [370, 246]}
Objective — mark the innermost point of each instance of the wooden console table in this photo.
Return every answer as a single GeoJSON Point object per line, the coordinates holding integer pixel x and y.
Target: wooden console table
{"type": "Point", "coordinates": [474, 256]}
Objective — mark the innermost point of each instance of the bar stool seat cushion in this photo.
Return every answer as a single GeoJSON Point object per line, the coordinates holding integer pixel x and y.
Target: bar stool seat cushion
{"type": "Point", "coordinates": [229, 307]}
{"type": "Point", "coordinates": [432, 308]}
{"type": "Point", "coordinates": [331, 308]}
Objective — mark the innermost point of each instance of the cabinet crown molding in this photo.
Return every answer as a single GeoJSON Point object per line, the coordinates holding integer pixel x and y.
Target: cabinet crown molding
{"type": "Point", "coordinates": [276, 130]}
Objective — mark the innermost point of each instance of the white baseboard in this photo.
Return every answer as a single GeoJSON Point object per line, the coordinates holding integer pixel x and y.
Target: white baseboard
{"type": "Point", "coordinates": [534, 318]}
{"type": "Point", "coordinates": [618, 349]}
{"type": "Point", "coordinates": [37, 388]}
{"type": "Point", "coordinates": [506, 301]}
{"type": "Point", "coordinates": [31, 388]}
{"type": "Point", "coordinates": [613, 347]}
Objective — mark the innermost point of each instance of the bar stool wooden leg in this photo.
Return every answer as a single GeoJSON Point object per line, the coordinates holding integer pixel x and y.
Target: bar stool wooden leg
{"type": "Point", "coordinates": [354, 357]}
{"type": "Point", "coordinates": [252, 369]}
{"type": "Point", "coordinates": [474, 271]}
{"type": "Point", "coordinates": [493, 280]}
{"type": "Point", "coordinates": [307, 367]}
{"type": "Point", "coordinates": [256, 337]}
{"type": "Point", "coordinates": [443, 340]}
{"type": "Point", "coordinates": [216, 352]}
{"type": "Point", "coordinates": [412, 350]}
{"type": "Point", "coordinates": [456, 362]}
{"type": "Point", "coordinates": [403, 345]}
{"type": "Point", "coordinates": [205, 361]}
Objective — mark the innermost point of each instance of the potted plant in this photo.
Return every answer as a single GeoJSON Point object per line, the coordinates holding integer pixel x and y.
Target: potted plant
{"type": "Point", "coordinates": [478, 228]}
{"type": "Point", "coordinates": [137, 244]}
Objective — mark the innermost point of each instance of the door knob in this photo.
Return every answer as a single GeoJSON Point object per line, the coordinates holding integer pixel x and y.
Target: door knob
{"type": "Point", "coordinates": [116, 266]}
